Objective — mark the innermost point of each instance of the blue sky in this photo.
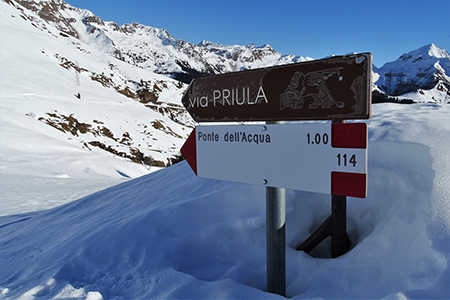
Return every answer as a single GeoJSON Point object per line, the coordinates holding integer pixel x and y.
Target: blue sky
{"type": "Point", "coordinates": [314, 28]}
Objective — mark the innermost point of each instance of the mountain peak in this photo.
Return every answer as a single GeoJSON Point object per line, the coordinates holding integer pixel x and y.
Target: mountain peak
{"type": "Point", "coordinates": [428, 51]}
{"type": "Point", "coordinates": [438, 52]}
{"type": "Point", "coordinates": [206, 43]}
{"type": "Point", "coordinates": [422, 68]}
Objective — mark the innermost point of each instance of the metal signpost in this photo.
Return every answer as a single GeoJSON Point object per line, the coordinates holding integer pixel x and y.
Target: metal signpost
{"type": "Point", "coordinates": [276, 237]}
{"type": "Point", "coordinates": [323, 158]}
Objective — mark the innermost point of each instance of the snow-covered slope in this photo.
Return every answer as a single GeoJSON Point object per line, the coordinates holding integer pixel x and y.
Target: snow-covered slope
{"type": "Point", "coordinates": [171, 235]}
{"type": "Point", "coordinates": [96, 82]}
{"type": "Point", "coordinates": [92, 102]}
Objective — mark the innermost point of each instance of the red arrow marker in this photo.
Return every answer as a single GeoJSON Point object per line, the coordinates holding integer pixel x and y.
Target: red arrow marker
{"type": "Point", "coordinates": [189, 151]}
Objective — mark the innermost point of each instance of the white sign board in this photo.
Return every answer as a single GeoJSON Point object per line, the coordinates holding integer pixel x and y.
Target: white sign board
{"type": "Point", "coordinates": [294, 156]}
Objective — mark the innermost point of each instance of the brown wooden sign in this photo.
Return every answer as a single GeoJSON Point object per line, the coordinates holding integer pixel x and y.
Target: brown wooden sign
{"type": "Point", "coordinates": [334, 88]}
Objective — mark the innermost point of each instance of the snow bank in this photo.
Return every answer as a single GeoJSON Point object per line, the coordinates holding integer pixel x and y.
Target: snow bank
{"type": "Point", "coordinates": [171, 235]}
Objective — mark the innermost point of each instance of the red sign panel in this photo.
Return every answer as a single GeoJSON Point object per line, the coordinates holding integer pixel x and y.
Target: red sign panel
{"type": "Point", "coordinates": [348, 184]}
{"type": "Point", "coordinates": [349, 135]}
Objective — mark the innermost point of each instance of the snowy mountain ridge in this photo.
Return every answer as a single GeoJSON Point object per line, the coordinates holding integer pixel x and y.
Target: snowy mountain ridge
{"type": "Point", "coordinates": [156, 50]}
{"type": "Point", "coordinates": [148, 47]}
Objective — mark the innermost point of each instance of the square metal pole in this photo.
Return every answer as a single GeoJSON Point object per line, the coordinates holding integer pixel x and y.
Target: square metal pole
{"type": "Point", "coordinates": [340, 242]}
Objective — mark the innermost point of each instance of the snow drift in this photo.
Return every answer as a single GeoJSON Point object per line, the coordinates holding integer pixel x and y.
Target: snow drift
{"type": "Point", "coordinates": [170, 234]}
